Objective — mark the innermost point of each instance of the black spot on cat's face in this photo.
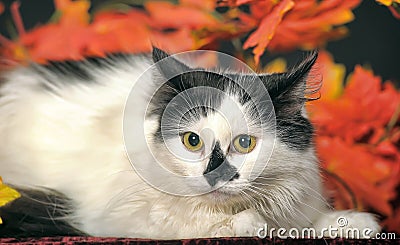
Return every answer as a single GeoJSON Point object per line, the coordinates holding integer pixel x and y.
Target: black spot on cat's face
{"type": "Point", "coordinates": [218, 167]}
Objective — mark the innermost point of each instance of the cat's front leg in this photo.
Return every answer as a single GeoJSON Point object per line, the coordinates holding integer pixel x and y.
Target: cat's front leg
{"type": "Point", "coordinates": [243, 224]}
{"type": "Point", "coordinates": [347, 224]}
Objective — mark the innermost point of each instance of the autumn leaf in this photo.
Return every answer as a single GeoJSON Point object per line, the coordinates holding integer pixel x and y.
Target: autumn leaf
{"type": "Point", "coordinates": [308, 24]}
{"type": "Point", "coordinates": [333, 76]}
{"type": "Point", "coordinates": [265, 32]}
{"type": "Point", "coordinates": [275, 66]}
{"type": "Point", "coordinates": [74, 33]}
{"type": "Point", "coordinates": [358, 138]}
{"type": "Point", "coordinates": [54, 41]}
{"type": "Point", "coordinates": [388, 2]}
{"type": "Point", "coordinates": [359, 103]}
{"type": "Point", "coordinates": [116, 32]}
{"type": "Point", "coordinates": [362, 169]}
{"type": "Point", "coordinates": [385, 2]}
{"type": "Point", "coordinates": [73, 12]}
{"type": "Point", "coordinates": [7, 195]}
{"type": "Point", "coordinates": [208, 5]}
{"type": "Point", "coordinates": [311, 23]}
{"type": "Point", "coordinates": [332, 84]}
{"type": "Point", "coordinates": [393, 5]}
{"type": "Point", "coordinates": [187, 16]}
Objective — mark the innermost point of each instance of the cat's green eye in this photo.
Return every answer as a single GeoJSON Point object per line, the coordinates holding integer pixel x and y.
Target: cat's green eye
{"type": "Point", "coordinates": [192, 141]}
{"type": "Point", "coordinates": [244, 143]}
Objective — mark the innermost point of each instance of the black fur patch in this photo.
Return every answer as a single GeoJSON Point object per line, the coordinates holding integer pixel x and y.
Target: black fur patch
{"type": "Point", "coordinates": [37, 213]}
{"type": "Point", "coordinates": [70, 71]}
{"type": "Point", "coordinates": [189, 105]}
{"type": "Point", "coordinates": [287, 92]}
{"type": "Point", "coordinates": [296, 132]}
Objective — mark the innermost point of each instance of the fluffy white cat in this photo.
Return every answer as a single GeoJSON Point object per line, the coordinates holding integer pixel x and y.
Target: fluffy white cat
{"type": "Point", "coordinates": [62, 134]}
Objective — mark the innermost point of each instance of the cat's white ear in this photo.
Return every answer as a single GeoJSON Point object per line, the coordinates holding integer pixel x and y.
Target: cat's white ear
{"type": "Point", "coordinates": [167, 65]}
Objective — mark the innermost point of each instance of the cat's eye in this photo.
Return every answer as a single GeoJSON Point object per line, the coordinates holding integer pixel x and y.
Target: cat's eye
{"type": "Point", "coordinates": [192, 141]}
{"type": "Point", "coordinates": [244, 143]}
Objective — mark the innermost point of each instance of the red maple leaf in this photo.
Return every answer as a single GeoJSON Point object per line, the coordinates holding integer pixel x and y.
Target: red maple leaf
{"type": "Point", "coordinates": [358, 139]}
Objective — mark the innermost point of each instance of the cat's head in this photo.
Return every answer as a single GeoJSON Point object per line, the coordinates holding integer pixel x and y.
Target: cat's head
{"type": "Point", "coordinates": [224, 129]}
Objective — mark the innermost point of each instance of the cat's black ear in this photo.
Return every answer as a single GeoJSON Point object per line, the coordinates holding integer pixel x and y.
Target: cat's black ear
{"type": "Point", "coordinates": [288, 90]}
{"type": "Point", "coordinates": [168, 66]}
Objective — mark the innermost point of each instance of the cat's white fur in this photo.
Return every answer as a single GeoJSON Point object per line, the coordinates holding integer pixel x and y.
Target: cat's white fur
{"type": "Point", "coordinates": [71, 140]}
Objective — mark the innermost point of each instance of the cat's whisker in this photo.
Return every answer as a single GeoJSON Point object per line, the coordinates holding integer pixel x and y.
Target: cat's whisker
{"type": "Point", "coordinates": [283, 203]}
{"type": "Point", "coordinates": [299, 211]}
{"type": "Point", "coordinates": [123, 194]}
{"type": "Point", "coordinates": [265, 206]}
{"type": "Point", "coordinates": [317, 194]}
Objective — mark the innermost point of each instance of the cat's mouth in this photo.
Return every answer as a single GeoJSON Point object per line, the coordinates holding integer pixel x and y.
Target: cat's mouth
{"type": "Point", "coordinates": [220, 195]}
{"type": "Point", "coordinates": [224, 193]}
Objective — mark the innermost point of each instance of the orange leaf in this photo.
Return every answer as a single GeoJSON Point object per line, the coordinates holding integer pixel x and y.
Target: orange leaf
{"type": "Point", "coordinates": [54, 42]}
{"type": "Point", "coordinates": [204, 4]}
{"type": "Point", "coordinates": [181, 40]}
{"type": "Point", "coordinates": [311, 23]}
{"type": "Point", "coordinates": [114, 32]}
{"type": "Point", "coordinates": [361, 170]}
{"type": "Point", "coordinates": [358, 141]}
{"type": "Point", "coordinates": [282, 25]}
{"type": "Point", "coordinates": [73, 12]}
{"type": "Point", "coordinates": [178, 16]}
{"type": "Point", "coordinates": [332, 74]}
{"type": "Point", "coordinates": [265, 32]}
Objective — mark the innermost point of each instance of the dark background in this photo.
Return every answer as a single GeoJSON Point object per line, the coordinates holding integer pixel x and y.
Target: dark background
{"type": "Point", "coordinates": [374, 38]}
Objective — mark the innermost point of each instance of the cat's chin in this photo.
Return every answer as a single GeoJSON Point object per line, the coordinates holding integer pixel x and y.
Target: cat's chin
{"type": "Point", "coordinates": [221, 195]}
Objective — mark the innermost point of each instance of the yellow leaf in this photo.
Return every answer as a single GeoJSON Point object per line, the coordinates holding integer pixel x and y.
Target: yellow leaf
{"type": "Point", "coordinates": [7, 194]}
{"type": "Point", "coordinates": [333, 76]}
{"type": "Point", "coordinates": [277, 65]}
{"type": "Point", "coordinates": [385, 2]}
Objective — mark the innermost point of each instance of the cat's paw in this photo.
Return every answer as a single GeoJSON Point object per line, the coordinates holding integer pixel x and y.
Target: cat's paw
{"type": "Point", "coordinates": [247, 223]}
{"type": "Point", "coordinates": [223, 229]}
{"type": "Point", "coordinates": [243, 224]}
{"type": "Point", "coordinates": [348, 224]}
